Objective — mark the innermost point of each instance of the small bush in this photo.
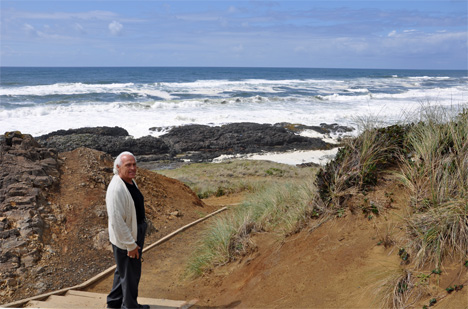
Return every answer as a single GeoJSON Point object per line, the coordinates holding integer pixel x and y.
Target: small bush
{"type": "Point", "coordinates": [358, 162]}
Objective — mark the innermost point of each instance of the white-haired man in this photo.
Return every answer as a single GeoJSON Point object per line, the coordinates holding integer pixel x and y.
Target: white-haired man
{"type": "Point", "coordinates": [127, 228]}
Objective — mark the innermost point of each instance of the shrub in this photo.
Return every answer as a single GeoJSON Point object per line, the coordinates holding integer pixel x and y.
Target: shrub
{"type": "Point", "coordinates": [358, 162]}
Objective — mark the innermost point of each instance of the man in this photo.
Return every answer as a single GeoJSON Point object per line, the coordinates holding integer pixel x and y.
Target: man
{"type": "Point", "coordinates": [127, 228]}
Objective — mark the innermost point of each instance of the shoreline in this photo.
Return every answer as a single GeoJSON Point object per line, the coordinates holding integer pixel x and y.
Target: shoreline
{"type": "Point", "coordinates": [294, 157]}
{"type": "Point", "coordinates": [292, 144]}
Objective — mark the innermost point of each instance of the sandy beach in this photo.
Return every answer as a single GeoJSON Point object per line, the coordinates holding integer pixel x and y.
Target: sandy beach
{"type": "Point", "coordinates": [320, 157]}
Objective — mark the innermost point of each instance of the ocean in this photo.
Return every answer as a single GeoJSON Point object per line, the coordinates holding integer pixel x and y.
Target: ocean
{"type": "Point", "coordinates": [151, 100]}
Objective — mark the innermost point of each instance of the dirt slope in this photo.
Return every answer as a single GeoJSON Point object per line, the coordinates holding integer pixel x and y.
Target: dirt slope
{"type": "Point", "coordinates": [75, 244]}
{"type": "Point", "coordinates": [342, 264]}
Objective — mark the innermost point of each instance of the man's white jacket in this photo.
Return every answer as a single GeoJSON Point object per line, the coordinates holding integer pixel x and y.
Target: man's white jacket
{"type": "Point", "coordinates": [121, 211]}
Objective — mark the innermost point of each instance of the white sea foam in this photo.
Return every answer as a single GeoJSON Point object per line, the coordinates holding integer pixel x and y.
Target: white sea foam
{"type": "Point", "coordinates": [215, 102]}
{"type": "Point", "coordinates": [358, 90]}
{"type": "Point", "coordinates": [63, 88]}
{"type": "Point", "coordinates": [79, 88]}
{"type": "Point", "coordinates": [314, 134]}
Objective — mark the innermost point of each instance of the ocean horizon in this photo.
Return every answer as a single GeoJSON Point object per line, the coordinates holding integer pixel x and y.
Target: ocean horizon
{"type": "Point", "coordinates": [151, 100]}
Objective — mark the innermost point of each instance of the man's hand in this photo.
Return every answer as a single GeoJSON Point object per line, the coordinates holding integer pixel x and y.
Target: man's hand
{"type": "Point", "coordinates": [134, 253]}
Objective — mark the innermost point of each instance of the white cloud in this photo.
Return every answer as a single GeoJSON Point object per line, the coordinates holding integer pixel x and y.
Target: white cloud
{"type": "Point", "coordinates": [115, 28]}
{"type": "Point", "coordinates": [98, 15]}
{"type": "Point", "coordinates": [34, 33]}
{"type": "Point", "coordinates": [239, 48]}
{"type": "Point", "coordinates": [197, 17]}
{"type": "Point", "coordinates": [223, 21]}
{"type": "Point", "coordinates": [410, 43]}
{"type": "Point", "coordinates": [30, 30]}
{"type": "Point", "coordinates": [300, 49]}
{"type": "Point", "coordinates": [393, 33]}
{"type": "Point", "coordinates": [232, 9]}
{"type": "Point", "coordinates": [78, 27]}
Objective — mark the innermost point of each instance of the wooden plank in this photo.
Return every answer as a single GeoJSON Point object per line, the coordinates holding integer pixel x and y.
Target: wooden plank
{"type": "Point", "coordinates": [87, 294]}
{"type": "Point", "coordinates": [55, 301]}
{"type": "Point", "coordinates": [38, 304]}
{"type": "Point", "coordinates": [165, 303]}
{"type": "Point", "coordinates": [75, 301]}
{"type": "Point", "coordinates": [22, 302]}
{"type": "Point", "coordinates": [80, 299]}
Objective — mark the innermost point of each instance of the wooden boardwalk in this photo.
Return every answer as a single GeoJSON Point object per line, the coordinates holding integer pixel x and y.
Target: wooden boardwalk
{"type": "Point", "coordinates": [81, 299]}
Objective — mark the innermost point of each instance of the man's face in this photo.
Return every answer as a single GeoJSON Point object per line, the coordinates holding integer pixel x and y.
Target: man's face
{"type": "Point", "coordinates": [127, 171]}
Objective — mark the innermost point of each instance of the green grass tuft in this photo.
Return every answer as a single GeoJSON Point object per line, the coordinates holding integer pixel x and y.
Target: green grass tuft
{"type": "Point", "coordinates": [282, 208]}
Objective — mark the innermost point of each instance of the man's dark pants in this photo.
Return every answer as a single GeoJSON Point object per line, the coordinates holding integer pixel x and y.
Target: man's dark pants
{"type": "Point", "coordinates": [127, 275]}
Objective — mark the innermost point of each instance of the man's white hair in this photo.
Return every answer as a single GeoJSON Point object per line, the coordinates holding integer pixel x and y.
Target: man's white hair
{"type": "Point", "coordinates": [118, 161]}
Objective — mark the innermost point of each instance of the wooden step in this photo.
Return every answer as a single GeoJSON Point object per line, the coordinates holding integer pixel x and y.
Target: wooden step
{"type": "Point", "coordinates": [81, 299]}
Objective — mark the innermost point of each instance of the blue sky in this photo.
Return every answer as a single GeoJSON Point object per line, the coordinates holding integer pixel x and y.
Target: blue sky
{"type": "Point", "coordinates": [420, 34]}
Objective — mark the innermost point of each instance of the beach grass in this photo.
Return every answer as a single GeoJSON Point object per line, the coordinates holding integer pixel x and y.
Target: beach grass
{"type": "Point", "coordinates": [429, 158]}
{"type": "Point", "coordinates": [436, 175]}
{"type": "Point", "coordinates": [358, 164]}
{"type": "Point", "coordinates": [281, 208]}
{"type": "Point", "coordinates": [278, 197]}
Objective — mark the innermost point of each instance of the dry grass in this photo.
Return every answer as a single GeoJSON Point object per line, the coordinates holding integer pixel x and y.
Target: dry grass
{"type": "Point", "coordinates": [280, 206]}
{"type": "Point", "coordinates": [398, 289]}
{"type": "Point", "coordinates": [248, 176]}
{"type": "Point", "coordinates": [439, 232]}
{"type": "Point", "coordinates": [437, 177]}
{"type": "Point", "coordinates": [358, 163]}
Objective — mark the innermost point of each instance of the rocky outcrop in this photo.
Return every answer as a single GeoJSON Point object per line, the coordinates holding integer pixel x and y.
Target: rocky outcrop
{"type": "Point", "coordinates": [197, 143]}
{"type": "Point", "coordinates": [110, 140]}
{"type": "Point", "coordinates": [203, 143]}
{"type": "Point", "coordinates": [100, 131]}
{"type": "Point", "coordinates": [27, 172]}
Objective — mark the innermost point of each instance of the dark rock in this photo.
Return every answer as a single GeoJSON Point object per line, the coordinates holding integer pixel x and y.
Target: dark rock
{"type": "Point", "coordinates": [207, 142]}
{"type": "Point", "coordinates": [42, 181]}
{"type": "Point", "coordinates": [112, 145]}
{"type": "Point", "coordinates": [160, 129]}
{"type": "Point", "coordinates": [9, 233]}
{"type": "Point", "coordinates": [12, 243]}
{"type": "Point", "coordinates": [26, 169]}
{"type": "Point", "coordinates": [17, 189]}
{"type": "Point", "coordinates": [192, 142]}
{"type": "Point", "coordinates": [335, 128]}
{"type": "Point", "coordinates": [308, 164]}
{"type": "Point", "coordinates": [144, 146]}
{"type": "Point", "coordinates": [8, 267]}
{"type": "Point", "coordinates": [100, 131]}
{"type": "Point", "coordinates": [324, 128]}
{"type": "Point", "coordinates": [30, 259]}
